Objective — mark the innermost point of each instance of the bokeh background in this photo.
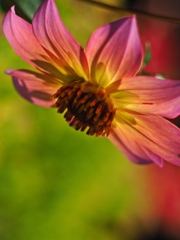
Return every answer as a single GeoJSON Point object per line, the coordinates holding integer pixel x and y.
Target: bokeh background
{"type": "Point", "coordinates": [56, 183]}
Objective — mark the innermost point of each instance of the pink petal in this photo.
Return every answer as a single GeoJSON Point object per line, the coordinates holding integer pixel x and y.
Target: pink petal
{"type": "Point", "coordinates": [131, 149]}
{"type": "Point", "coordinates": [20, 36]}
{"type": "Point", "coordinates": [30, 86]}
{"type": "Point", "coordinates": [31, 75]}
{"type": "Point", "coordinates": [114, 51]}
{"type": "Point", "coordinates": [155, 134]}
{"type": "Point", "coordinates": [54, 37]}
{"type": "Point", "coordinates": [153, 95]}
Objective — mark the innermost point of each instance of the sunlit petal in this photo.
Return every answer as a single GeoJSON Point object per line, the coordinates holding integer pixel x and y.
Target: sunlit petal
{"type": "Point", "coordinates": [156, 134]}
{"type": "Point", "coordinates": [20, 35]}
{"type": "Point", "coordinates": [151, 95]}
{"type": "Point", "coordinates": [129, 147]}
{"type": "Point", "coordinates": [31, 75]}
{"type": "Point", "coordinates": [53, 35]}
{"type": "Point", "coordinates": [31, 86]}
{"type": "Point", "coordinates": [114, 48]}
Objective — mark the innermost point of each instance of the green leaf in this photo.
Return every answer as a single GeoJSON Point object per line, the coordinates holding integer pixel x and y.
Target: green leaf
{"type": "Point", "coordinates": [24, 8]}
{"type": "Point", "coordinates": [147, 57]}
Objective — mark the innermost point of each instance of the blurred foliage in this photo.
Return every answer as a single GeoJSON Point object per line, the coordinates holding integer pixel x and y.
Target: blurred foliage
{"type": "Point", "coordinates": [147, 56]}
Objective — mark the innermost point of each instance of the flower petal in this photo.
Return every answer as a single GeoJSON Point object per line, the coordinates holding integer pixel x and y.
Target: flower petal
{"type": "Point", "coordinates": [30, 86]}
{"type": "Point", "coordinates": [154, 133]}
{"type": "Point", "coordinates": [151, 96]}
{"type": "Point", "coordinates": [52, 34]}
{"type": "Point", "coordinates": [20, 35]}
{"type": "Point", "coordinates": [131, 149]}
{"type": "Point", "coordinates": [115, 51]}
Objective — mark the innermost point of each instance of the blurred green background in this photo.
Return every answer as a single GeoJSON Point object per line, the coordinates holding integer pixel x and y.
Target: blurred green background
{"type": "Point", "coordinates": [56, 183]}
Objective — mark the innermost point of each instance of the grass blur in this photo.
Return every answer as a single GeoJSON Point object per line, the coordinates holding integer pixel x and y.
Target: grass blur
{"type": "Point", "coordinates": [56, 183]}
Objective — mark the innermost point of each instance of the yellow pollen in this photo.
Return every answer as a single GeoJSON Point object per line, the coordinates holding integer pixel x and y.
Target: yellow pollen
{"type": "Point", "coordinates": [86, 107]}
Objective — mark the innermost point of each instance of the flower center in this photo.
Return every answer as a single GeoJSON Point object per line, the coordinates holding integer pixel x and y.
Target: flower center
{"type": "Point", "coordinates": [86, 107]}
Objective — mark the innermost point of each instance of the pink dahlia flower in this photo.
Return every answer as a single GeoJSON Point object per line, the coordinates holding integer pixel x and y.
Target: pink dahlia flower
{"type": "Point", "coordinates": [97, 86]}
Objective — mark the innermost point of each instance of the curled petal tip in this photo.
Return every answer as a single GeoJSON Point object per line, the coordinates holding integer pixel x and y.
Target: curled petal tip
{"type": "Point", "coordinates": [13, 9]}
{"type": "Point", "coordinates": [9, 71]}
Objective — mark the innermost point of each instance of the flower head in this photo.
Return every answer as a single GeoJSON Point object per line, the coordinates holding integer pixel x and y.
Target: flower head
{"type": "Point", "coordinates": [97, 86]}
